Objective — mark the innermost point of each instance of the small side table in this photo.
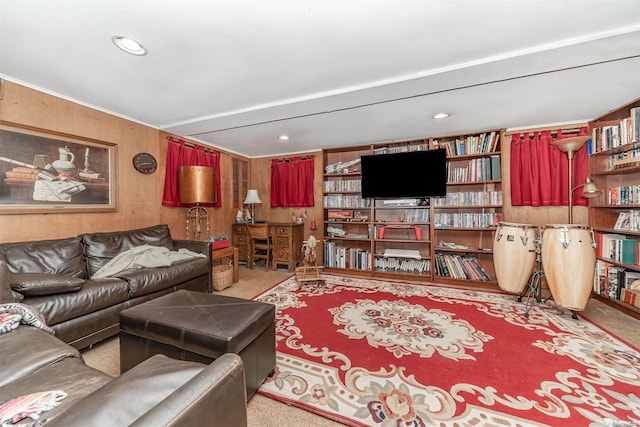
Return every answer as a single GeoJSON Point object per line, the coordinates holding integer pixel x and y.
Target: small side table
{"type": "Point", "coordinates": [230, 251]}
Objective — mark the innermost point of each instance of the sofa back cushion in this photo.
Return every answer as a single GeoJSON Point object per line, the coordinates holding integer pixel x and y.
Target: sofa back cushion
{"type": "Point", "coordinates": [60, 256]}
{"type": "Point", "coordinates": [100, 248]}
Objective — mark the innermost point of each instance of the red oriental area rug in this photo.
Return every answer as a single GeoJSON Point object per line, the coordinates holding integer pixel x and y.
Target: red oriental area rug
{"type": "Point", "coordinates": [381, 353]}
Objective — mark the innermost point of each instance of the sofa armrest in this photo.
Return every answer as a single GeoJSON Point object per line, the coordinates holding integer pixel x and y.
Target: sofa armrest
{"type": "Point", "coordinates": [200, 246]}
{"type": "Point", "coordinates": [166, 392]}
{"type": "Point", "coordinates": [216, 395]}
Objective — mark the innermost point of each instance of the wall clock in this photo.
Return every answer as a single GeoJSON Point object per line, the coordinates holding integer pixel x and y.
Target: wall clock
{"type": "Point", "coordinates": [145, 163]}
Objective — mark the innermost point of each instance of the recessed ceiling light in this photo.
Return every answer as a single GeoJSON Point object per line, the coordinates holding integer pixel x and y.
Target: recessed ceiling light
{"type": "Point", "coordinates": [283, 137]}
{"type": "Point", "coordinates": [129, 45]}
{"type": "Point", "coordinates": [441, 116]}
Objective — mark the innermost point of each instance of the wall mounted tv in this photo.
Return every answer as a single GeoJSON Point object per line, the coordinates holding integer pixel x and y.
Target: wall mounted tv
{"type": "Point", "coordinates": [411, 174]}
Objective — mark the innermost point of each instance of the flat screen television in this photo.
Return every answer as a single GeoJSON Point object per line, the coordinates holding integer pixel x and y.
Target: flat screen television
{"type": "Point", "coordinates": [414, 174]}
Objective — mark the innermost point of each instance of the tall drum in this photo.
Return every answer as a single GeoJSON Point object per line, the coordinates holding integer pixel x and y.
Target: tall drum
{"type": "Point", "coordinates": [514, 255]}
{"type": "Point", "coordinates": [568, 261]}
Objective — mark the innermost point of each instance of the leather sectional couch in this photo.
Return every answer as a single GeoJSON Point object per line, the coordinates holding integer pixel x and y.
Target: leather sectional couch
{"type": "Point", "coordinates": [158, 392]}
{"type": "Point", "coordinates": [54, 276]}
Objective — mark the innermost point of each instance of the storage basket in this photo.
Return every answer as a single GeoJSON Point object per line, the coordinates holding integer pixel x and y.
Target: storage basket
{"type": "Point", "coordinates": [222, 276]}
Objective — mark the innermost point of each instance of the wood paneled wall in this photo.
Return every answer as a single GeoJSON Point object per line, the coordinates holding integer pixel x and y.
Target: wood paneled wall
{"type": "Point", "coordinates": [139, 196]}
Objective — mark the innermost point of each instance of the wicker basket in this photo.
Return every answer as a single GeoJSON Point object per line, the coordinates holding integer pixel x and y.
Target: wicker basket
{"type": "Point", "coordinates": [222, 276]}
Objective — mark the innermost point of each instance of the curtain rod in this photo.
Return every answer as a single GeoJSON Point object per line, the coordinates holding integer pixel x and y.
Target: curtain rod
{"type": "Point", "coordinates": [553, 129]}
{"type": "Point", "coordinates": [288, 159]}
{"type": "Point", "coordinates": [191, 144]}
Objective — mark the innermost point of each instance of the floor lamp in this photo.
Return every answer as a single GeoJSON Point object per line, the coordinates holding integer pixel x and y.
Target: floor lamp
{"type": "Point", "coordinates": [570, 146]}
{"type": "Point", "coordinates": [568, 259]}
{"type": "Point", "coordinates": [197, 185]}
{"type": "Point", "coordinates": [252, 199]}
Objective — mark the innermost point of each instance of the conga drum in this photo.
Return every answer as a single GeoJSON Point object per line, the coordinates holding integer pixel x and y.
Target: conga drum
{"type": "Point", "coordinates": [568, 261]}
{"type": "Point", "coordinates": [514, 255]}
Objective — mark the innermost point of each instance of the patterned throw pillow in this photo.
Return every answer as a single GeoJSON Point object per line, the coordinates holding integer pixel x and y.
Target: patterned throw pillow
{"type": "Point", "coordinates": [9, 322]}
{"type": "Point", "coordinates": [30, 316]}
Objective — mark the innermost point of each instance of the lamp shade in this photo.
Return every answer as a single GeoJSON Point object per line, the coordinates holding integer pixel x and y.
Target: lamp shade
{"type": "Point", "coordinates": [572, 144]}
{"type": "Point", "coordinates": [197, 184]}
{"type": "Point", "coordinates": [252, 197]}
{"type": "Point", "coordinates": [590, 190]}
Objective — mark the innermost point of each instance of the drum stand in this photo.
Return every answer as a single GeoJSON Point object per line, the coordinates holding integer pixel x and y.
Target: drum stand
{"type": "Point", "coordinates": [533, 289]}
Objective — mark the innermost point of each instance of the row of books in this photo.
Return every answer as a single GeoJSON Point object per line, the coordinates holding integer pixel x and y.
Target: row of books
{"type": "Point", "coordinates": [611, 281]}
{"type": "Point", "coordinates": [352, 166]}
{"type": "Point", "coordinates": [467, 220]}
{"type": "Point", "coordinates": [481, 169]}
{"type": "Point", "coordinates": [628, 221]}
{"type": "Point", "coordinates": [402, 148]}
{"type": "Point", "coordinates": [408, 216]}
{"type": "Point", "coordinates": [618, 247]}
{"type": "Point", "coordinates": [337, 256]}
{"type": "Point", "coordinates": [475, 144]}
{"type": "Point", "coordinates": [608, 137]}
{"type": "Point", "coordinates": [345, 201]}
{"type": "Point", "coordinates": [624, 195]}
{"type": "Point", "coordinates": [470, 198]}
{"type": "Point", "coordinates": [343, 185]}
{"type": "Point", "coordinates": [403, 265]}
{"type": "Point", "coordinates": [460, 267]}
{"type": "Point", "coordinates": [624, 159]}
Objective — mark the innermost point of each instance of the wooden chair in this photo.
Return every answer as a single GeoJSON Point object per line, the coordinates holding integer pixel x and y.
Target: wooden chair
{"type": "Point", "coordinates": [259, 244]}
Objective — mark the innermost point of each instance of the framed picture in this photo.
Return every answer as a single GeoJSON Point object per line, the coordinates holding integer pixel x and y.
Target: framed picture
{"type": "Point", "coordinates": [53, 172]}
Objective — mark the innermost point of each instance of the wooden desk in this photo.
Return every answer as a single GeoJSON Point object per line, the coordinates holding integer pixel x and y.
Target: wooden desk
{"type": "Point", "coordinates": [286, 243]}
{"type": "Point", "coordinates": [232, 252]}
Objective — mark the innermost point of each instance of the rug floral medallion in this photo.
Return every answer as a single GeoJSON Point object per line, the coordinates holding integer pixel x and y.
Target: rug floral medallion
{"type": "Point", "coordinates": [386, 353]}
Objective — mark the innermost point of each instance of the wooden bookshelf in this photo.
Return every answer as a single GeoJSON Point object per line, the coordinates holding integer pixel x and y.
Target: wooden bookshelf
{"type": "Point", "coordinates": [614, 142]}
{"type": "Point", "coordinates": [368, 233]}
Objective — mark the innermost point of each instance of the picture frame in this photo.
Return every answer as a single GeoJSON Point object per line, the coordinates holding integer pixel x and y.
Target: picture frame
{"type": "Point", "coordinates": [45, 172]}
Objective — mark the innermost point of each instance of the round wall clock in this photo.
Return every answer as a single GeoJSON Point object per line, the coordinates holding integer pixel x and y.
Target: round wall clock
{"type": "Point", "coordinates": [145, 163]}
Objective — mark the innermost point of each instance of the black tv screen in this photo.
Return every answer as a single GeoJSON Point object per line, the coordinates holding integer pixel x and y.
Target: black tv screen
{"type": "Point", "coordinates": [411, 174]}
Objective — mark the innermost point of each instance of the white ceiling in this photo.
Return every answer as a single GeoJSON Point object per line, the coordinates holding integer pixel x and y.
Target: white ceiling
{"type": "Point", "coordinates": [236, 74]}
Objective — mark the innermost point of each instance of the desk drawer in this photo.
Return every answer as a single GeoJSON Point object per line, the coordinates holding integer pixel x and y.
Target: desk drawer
{"type": "Point", "coordinates": [240, 239]}
{"type": "Point", "coordinates": [281, 254]}
{"type": "Point", "coordinates": [280, 230]}
{"type": "Point", "coordinates": [280, 241]}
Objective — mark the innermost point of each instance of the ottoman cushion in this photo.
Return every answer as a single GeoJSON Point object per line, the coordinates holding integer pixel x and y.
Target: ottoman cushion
{"type": "Point", "coordinates": [201, 327]}
{"type": "Point", "coordinates": [206, 324]}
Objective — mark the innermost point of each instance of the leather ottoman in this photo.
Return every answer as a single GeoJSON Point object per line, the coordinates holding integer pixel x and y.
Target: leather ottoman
{"type": "Point", "coordinates": [200, 327]}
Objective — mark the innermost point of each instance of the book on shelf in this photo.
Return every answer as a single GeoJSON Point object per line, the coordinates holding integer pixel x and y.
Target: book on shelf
{"type": "Point", "coordinates": [628, 221]}
{"type": "Point", "coordinates": [495, 167]}
{"type": "Point", "coordinates": [631, 297]}
{"type": "Point", "coordinates": [635, 124]}
{"type": "Point", "coordinates": [460, 267]}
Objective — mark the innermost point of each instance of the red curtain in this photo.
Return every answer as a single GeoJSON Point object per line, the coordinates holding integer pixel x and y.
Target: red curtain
{"type": "Point", "coordinates": [292, 182]}
{"type": "Point", "coordinates": [181, 154]}
{"type": "Point", "coordinates": [539, 170]}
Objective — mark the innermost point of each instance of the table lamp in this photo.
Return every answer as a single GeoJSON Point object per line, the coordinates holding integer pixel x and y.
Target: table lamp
{"type": "Point", "coordinates": [252, 199]}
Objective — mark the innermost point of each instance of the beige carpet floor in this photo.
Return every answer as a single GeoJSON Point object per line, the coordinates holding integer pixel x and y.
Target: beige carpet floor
{"type": "Point", "coordinates": [265, 412]}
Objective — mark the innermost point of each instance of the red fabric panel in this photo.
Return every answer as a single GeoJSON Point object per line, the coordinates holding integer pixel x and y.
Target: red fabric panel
{"type": "Point", "coordinates": [292, 182]}
{"type": "Point", "coordinates": [180, 154]}
{"type": "Point", "coordinates": [539, 171]}
{"type": "Point", "coordinates": [525, 172]}
{"type": "Point", "coordinates": [544, 144]}
{"type": "Point", "coordinates": [514, 162]}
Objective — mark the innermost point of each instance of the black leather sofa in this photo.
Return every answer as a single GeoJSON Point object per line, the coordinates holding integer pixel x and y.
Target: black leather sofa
{"type": "Point", "coordinates": [54, 276]}
{"type": "Point", "coordinates": [158, 392]}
